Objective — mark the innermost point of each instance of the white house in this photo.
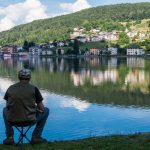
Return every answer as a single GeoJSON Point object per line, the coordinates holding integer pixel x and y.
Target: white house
{"type": "Point", "coordinates": [35, 50]}
{"type": "Point", "coordinates": [60, 44]}
{"type": "Point", "coordinates": [135, 51]}
{"type": "Point", "coordinates": [95, 30]}
{"type": "Point", "coordinates": [47, 52]}
{"type": "Point", "coordinates": [132, 34]}
{"type": "Point", "coordinates": [95, 38]}
{"type": "Point", "coordinates": [82, 39]}
{"type": "Point", "coordinates": [113, 51]}
{"type": "Point", "coordinates": [142, 35]}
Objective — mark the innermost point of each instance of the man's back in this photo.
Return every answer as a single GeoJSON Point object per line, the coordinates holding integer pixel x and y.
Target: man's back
{"type": "Point", "coordinates": [21, 102]}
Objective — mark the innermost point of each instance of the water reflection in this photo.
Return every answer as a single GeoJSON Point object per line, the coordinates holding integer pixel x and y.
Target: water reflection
{"type": "Point", "coordinates": [87, 96]}
{"type": "Point", "coordinates": [127, 79]}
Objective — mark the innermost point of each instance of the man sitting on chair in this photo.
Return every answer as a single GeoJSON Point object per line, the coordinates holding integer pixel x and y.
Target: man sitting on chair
{"type": "Point", "coordinates": [24, 104]}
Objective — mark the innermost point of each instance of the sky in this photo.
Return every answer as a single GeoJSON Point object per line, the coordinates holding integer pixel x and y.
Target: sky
{"type": "Point", "coordinates": [16, 12]}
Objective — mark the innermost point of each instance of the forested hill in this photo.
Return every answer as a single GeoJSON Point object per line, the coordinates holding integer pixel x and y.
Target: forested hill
{"type": "Point", "coordinates": [59, 28]}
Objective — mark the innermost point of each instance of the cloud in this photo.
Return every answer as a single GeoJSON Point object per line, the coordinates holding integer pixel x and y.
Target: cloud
{"type": "Point", "coordinates": [76, 6]}
{"type": "Point", "coordinates": [20, 13]}
{"type": "Point", "coordinates": [5, 83]}
{"type": "Point", "coordinates": [74, 103]}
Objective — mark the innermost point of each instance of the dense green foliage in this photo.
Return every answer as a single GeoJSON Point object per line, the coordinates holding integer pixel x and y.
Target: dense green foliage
{"type": "Point", "coordinates": [59, 28]}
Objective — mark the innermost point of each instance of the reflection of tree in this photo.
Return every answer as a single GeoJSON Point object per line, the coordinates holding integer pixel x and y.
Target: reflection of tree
{"type": "Point", "coordinates": [76, 65]}
{"type": "Point", "coordinates": [122, 71]}
{"type": "Point", "coordinates": [104, 93]}
{"type": "Point", "coordinates": [26, 64]}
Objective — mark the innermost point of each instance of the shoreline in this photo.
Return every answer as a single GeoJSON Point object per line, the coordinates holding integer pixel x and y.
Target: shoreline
{"type": "Point", "coordinates": [139, 141]}
{"type": "Point", "coordinates": [79, 56]}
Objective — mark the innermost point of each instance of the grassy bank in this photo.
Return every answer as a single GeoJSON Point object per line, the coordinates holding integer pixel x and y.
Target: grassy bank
{"type": "Point", "coordinates": [117, 142]}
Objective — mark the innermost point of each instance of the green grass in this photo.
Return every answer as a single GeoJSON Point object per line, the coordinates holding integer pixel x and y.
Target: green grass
{"type": "Point", "coordinates": [116, 142]}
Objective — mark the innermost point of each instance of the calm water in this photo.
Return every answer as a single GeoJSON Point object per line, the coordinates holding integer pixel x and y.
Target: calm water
{"type": "Point", "coordinates": [87, 97]}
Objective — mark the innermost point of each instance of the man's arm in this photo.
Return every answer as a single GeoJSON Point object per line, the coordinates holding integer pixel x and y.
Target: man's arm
{"type": "Point", "coordinates": [39, 99]}
{"type": "Point", "coordinates": [40, 107]}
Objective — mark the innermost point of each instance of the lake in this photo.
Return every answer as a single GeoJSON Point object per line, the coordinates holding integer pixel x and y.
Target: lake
{"type": "Point", "coordinates": [87, 96]}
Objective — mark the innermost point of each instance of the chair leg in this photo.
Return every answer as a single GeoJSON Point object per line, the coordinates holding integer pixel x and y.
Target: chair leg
{"type": "Point", "coordinates": [23, 135]}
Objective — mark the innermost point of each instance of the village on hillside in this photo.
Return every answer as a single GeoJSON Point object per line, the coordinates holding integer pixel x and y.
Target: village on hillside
{"type": "Point", "coordinates": [58, 48]}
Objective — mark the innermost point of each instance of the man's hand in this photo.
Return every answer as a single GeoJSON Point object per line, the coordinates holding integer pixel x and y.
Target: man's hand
{"type": "Point", "coordinates": [40, 107]}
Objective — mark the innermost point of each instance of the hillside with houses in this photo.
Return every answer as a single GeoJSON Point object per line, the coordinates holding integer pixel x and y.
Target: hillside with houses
{"type": "Point", "coordinates": [105, 18]}
{"type": "Point", "coordinates": [126, 33]}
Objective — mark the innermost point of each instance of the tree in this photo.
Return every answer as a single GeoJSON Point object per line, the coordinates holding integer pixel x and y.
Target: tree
{"type": "Point", "coordinates": [87, 25]}
{"type": "Point", "coordinates": [149, 24]}
{"type": "Point", "coordinates": [26, 45]}
{"type": "Point", "coordinates": [124, 40]}
{"type": "Point", "coordinates": [76, 47]}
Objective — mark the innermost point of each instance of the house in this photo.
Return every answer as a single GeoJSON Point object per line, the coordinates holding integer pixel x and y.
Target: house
{"type": "Point", "coordinates": [142, 35]}
{"type": "Point", "coordinates": [135, 51]}
{"type": "Point", "coordinates": [95, 30]}
{"type": "Point", "coordinates": [95, 51]}
{"type": "Point", "coordinates": [95, 38]}
{"type": "Point", "coordinates": [60, 51]}
{"type": "Point", "coordinates": [77, 32]}
{"type": "Point", "coordinates": [82, 39]}
{"type": "Point", "coordinates": [19, 48]}
{"type": "Point", "coordinates": [113, 51]}
{"type": "Point", "coordinates": [35, 50]}
{"type": "Point", "coordinates": [9, 50]}
{"type": "Point", "coordinates": [132, 34]}
{"type": "Point", "coordinates": [60, 44]}
{"type": "Point", "coordinates": [47, 52]}
{"type": "Point", "coordinates": [113, 36]}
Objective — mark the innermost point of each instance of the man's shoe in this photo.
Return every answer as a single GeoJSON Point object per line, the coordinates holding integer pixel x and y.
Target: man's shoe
{"type": "Point", "coordinates": [38, 140]}
{"type": "Point", "coordinates": [9, 141]}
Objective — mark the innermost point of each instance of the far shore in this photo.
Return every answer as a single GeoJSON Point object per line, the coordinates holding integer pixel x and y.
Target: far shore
{"type": "Point", "coordinates": [79, 56]}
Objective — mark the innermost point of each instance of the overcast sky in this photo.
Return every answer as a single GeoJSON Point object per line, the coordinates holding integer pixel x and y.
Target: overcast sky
{"type": "Point", "coordinates": [15, 12]}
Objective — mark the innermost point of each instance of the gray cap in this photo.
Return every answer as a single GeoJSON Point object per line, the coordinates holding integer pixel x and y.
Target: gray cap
{"type": "Point", "coordinates": [24, 74]}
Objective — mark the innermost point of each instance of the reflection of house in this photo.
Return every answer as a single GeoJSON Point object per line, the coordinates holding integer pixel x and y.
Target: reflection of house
{"type": "Point", "coordinates": [135, 62]}
{"type": "Point", "coordinates": [112, 50]}
{"type": "Point", "coordinates": [134, 51]}
{"type": "Point", "coordinates": [137, 80]}
{"type": "Point", "coordinates": [104, 76]}
{"type": "Point", "coordinates": [112, 62]}
{"type": "Point", "coordinates": [135, 76]}
{"type": "Point", "coordinates": [94, 61]}
{"type": "Point", "coordinates": [95, 77]}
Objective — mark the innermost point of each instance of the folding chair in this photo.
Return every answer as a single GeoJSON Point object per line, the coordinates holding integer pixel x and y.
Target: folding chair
{"type": "Point", "coordinates": [23, 132]}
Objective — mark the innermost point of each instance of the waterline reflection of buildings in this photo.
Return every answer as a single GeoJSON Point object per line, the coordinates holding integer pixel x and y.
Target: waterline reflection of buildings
{"type": "Point", "coordinates": [135, 62]}
{"type": "Point", "coordinates": [95, 77]}
{"type": "Point", "coordinates": [137, 79]}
